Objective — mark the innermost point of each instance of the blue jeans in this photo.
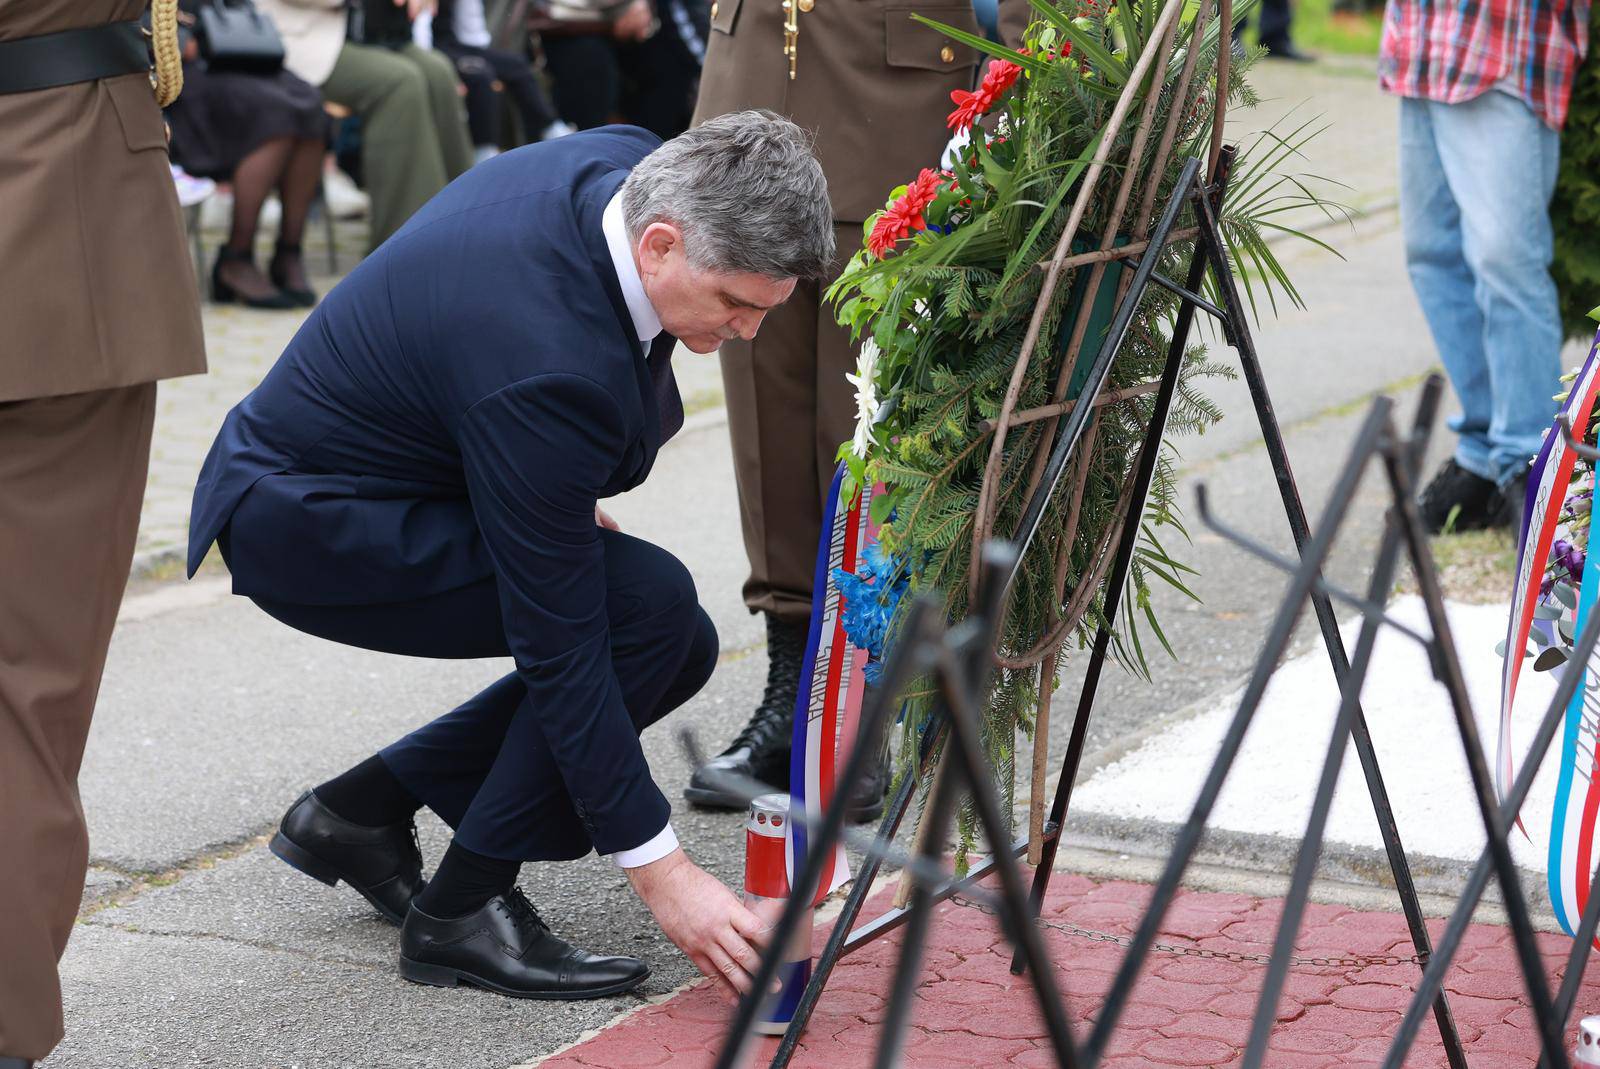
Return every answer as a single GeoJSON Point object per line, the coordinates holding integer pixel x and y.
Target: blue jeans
{"type": "Point", "coordinates": [1475, 186]}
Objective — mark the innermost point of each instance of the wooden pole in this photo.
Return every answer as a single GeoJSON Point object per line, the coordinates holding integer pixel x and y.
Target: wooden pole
{"type": "Point", "coordinates": [983, 522]}
{"type": "Point", "coordinates": [1110, 397]}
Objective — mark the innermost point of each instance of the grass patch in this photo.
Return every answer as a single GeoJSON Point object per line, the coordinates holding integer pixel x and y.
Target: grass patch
{"type": "Point", "coordinates": [702, 401]}
{"type": "Point", "coordinates": [1317, 28]}
{"type": "Point", "coordinates": [1476, 567]}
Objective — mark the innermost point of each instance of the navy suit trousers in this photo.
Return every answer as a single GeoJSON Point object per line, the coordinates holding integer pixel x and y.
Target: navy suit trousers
{"type": "Point", "coordinates": [486, 768]}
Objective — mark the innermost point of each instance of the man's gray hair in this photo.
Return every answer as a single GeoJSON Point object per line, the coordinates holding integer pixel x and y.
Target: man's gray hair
{"type": "Point", "coordinates": [747, 192]}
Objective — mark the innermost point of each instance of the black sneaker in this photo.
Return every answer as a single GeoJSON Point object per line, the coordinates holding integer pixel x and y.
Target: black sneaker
{"type": "Point", "coordinates": [1513, 501]}
{"type": "Point", "coordinates": [1457, 500]}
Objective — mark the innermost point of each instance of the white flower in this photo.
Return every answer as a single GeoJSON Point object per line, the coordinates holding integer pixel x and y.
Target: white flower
{"type": "Point", "coordinates": [864, 380]}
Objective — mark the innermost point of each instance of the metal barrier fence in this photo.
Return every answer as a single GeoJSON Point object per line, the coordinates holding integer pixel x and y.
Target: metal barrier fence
{"type": "Point", "coordinates": [959, 658]}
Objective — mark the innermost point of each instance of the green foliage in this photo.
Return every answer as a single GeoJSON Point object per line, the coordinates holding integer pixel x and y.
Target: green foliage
{"type": "Point", "coordinates": [1339, 27]}
{"type": "Point", "coordinates": [947, 312]}
{"type": "Point", "coordinates": [1575, 210]}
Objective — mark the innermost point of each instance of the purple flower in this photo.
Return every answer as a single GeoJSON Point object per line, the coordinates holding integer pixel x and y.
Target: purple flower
{"type": "Point", "coordinates": [1568, 557]}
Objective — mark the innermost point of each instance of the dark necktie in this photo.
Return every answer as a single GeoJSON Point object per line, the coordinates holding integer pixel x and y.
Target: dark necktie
{"type": "Point", "coordinates": [669, 405]}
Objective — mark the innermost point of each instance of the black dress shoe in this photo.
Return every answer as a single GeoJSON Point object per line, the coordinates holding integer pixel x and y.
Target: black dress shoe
{"type": "Point", "coordinates": [384, 864]}
{"type": "Point", "coordinates": [507, 947]}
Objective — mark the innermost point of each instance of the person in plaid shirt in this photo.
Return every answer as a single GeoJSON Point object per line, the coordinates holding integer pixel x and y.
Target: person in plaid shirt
{"type": "Point", "coordinates": [1484, 87]}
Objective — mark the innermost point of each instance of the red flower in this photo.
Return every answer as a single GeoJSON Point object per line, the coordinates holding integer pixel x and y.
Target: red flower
{"type": "Point", "coordinates": [1002, 74]}
{"type": "Point", "coordinates": [904, 215]}
{"type": "Point", "coordinates": [969, 106]}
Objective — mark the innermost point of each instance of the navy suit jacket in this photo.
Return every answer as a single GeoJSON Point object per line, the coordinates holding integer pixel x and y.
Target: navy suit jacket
{"type": "Point", "coordinates": [453, 410]}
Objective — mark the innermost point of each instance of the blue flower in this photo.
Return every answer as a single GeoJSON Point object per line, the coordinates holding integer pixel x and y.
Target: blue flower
{"type": "Point", "coordinates": [871, 596]}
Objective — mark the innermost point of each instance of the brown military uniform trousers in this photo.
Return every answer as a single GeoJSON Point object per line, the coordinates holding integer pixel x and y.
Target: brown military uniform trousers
{"type": "Point", "coordinates": [97, 301]}
{"type": "Point", "coordinates": [789, 407]}
{"type": "Point", "coordinates": [72, 478]}
{"type": "Point", "coordinates": [873, 86]}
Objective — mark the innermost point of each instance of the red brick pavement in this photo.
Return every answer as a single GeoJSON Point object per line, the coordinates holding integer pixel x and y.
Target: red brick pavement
{"type": "Point", "coordinates": [1185, 1011]}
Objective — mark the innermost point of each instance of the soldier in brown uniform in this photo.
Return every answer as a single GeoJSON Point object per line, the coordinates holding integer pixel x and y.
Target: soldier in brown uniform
{"type": "Point", "coordinates": [874, 87]}
{"type": "Point", "coordinates": [97, 301]}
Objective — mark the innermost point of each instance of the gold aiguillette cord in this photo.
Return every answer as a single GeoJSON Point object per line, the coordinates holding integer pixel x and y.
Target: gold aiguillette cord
{"type": "Point", "coordinates": [791, 34]}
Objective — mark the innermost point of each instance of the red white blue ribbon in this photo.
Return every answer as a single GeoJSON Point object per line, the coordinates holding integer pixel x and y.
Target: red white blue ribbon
{"type": "Point", "coordinates": [1572, 852]}
{"type": "Point", "coordinates": [832, 681]}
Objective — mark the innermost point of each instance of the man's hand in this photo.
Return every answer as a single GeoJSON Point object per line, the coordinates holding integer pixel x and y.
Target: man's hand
{"type": "Point", "coordinates": [417, 7]}
{"type": "Point", "coordinates": [703, 918]}
{"type": "Point", "coordinates": [602, 518]}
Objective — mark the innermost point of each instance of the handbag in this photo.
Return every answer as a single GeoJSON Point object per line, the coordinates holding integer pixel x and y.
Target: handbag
{"type": "Point", "coordinates": [238, 37]}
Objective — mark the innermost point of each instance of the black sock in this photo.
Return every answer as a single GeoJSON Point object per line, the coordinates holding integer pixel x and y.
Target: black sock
{"type": "Point", "coordinates": [368, 795]}
{"type": "Point", "coordinates": [464, 882]}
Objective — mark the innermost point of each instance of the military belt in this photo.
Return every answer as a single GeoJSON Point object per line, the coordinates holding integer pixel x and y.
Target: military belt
{"type": "Point", "coordinates": [72, 56]}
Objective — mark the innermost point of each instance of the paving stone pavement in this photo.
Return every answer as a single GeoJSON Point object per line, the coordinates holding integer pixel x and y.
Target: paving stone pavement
{"type": "Point", "coordinates": [1184, 1011]}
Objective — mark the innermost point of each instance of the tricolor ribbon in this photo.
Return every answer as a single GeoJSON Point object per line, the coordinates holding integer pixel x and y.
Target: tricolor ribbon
{"type": "Point", "coordinates": [1572, 854]}
{"type": "Point", "coordinates": [833, 680]}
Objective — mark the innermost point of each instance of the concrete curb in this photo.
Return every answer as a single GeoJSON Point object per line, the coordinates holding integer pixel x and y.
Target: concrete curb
{"type": "Point", "coordinates": [1275, 856]}
{"type": "Point", "coordinates": [157, 561]}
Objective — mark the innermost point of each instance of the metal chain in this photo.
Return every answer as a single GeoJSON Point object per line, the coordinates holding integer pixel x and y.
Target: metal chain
{"type": "Point", "coordinates": [1238, 956]}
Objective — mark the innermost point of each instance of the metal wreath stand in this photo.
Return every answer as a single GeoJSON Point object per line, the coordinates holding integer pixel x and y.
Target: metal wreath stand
{"type": "Point", "coordinates": [960, 658]}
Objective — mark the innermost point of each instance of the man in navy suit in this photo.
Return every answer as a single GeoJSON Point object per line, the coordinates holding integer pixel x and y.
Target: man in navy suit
{"type": "Point", "coordinates": [420, 474]}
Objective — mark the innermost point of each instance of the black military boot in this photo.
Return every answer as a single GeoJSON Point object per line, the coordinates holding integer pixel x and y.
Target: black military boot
{"type": "Point", "coordinates": [761, 749]}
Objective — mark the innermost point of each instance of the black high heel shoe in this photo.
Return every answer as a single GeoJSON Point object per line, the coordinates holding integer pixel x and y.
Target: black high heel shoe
{"type": "Point", "coordinates": [222, 293]}
{"type": "Point", "coordinates": [303, 297]}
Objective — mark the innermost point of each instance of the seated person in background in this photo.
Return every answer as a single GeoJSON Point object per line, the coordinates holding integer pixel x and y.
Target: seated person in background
{"type": "Point", "coordinates": [461, 31]}
{"type": "Point", "coordinates": [260, 132]}
{"type": "Point", "coordinates": [636, 62]}
{"type": "Point", "coordinates": [413, 135]}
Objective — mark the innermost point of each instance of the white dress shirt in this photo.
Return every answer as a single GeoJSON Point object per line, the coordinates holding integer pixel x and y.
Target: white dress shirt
{"type": "Point", "coordinates": [645, 320]}
{"type": "Point", "coordinates": [647, 324]}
